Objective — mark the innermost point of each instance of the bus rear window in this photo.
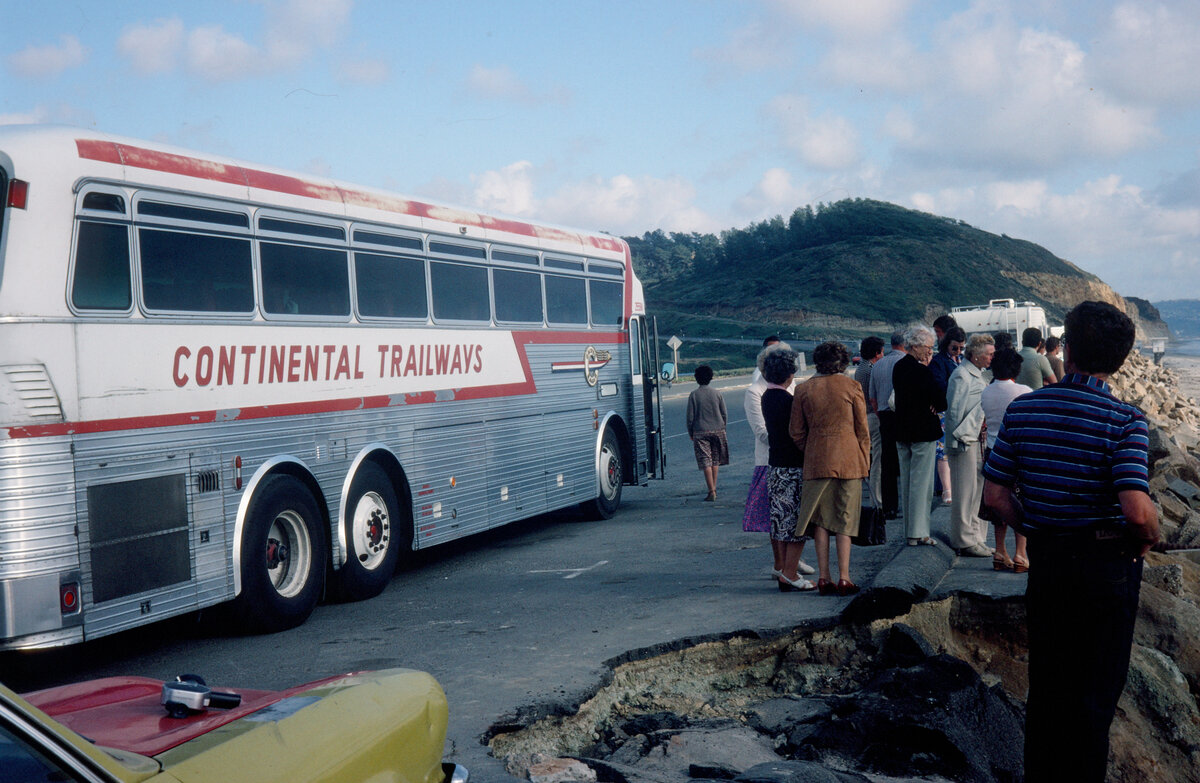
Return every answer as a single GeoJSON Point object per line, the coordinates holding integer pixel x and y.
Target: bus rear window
{"type": "Point", "coordinates": [390, 286]}
{"type": "Point", "coordinates": [566, 300]}
{"type": "Point", "coordinates": [101, 280]}
{"type": "Point", "coordinates": [460, 292]}
{"type": "Point", "coordinates": [195, 272]}
{"type": "Point", "coordinates": [300, 280]}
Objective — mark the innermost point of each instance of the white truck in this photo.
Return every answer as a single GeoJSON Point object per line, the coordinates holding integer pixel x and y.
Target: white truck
{"type": "Point", "coordinates": [1003, 315]}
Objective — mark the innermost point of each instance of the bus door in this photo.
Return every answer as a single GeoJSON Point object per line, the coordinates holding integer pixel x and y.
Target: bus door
{"type": "Point", "coordinates": [647, 404]}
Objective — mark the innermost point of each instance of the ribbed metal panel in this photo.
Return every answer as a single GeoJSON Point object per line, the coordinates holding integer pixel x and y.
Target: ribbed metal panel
{"type": "Point", "coordinates": [37, 508]}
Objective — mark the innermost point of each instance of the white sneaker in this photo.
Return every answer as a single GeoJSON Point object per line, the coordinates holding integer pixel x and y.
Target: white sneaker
{"type": "Point", "coordinates": [805, 568]}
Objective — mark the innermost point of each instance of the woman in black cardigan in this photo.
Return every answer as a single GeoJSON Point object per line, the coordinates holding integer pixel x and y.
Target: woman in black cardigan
{"type": "Point", "coordinates": [918, 401]}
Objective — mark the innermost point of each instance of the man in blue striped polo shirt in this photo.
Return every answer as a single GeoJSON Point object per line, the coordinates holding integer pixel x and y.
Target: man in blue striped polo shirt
{"type": "Point", "coordinates": [1069, 469]}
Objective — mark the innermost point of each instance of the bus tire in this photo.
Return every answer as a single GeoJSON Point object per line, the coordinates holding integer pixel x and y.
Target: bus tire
{"type": "Point", "coordinates": [283, 557]}
{"type": "Point", "coordinates": [373, 534]}
{"type": "Point", "coordinates": [610, 475]}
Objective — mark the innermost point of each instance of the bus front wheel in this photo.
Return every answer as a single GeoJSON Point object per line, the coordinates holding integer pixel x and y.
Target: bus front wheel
{"type": "Point", "coordinates": [374, 535]}
{"type": "Point", "coordinates": [610, 476]}
{"type": "Point", "coordinates": [283, 557]}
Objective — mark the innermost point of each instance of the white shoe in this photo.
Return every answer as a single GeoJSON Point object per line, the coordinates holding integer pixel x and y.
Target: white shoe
{"type": "Point", "coordinates": [805, 568]}
{"type": "Point", "coordinates": [801, 584]}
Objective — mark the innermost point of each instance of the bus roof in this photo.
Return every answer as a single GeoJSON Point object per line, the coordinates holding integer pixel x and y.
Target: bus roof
{"type": "Point", "coordinates": [30, 151]}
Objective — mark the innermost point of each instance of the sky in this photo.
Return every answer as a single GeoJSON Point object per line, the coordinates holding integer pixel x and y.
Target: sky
{"type": "Point", "coordinates": [1071, 123]}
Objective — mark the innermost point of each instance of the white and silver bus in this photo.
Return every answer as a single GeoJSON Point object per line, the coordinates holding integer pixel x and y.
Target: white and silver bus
{"type": "Point", "coordinates": [221, 382]}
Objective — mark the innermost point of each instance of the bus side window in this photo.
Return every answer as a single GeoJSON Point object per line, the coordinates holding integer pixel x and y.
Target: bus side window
{"type": "Point", "coordinates": [566, 300]}
{"type": "Point", "coordinates": [101, 280]}
{"type": "Point", "coordinates": [195, 272]}
{"type": "Point", "coordinates": [518, 296]}
{"type": "Point", "coordinates": [460, 292]}
{"type": "Point", "coordinates": [301, 280]}
{"type": "Point", "coordinates": [390, 286]}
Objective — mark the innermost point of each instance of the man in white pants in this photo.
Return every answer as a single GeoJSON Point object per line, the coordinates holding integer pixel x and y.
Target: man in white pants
{"type": "Point", "coordinates": [964, 447]}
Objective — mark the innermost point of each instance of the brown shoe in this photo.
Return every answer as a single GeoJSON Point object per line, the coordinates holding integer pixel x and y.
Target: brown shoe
{"type": "Point", "coordinates": [846, 587]}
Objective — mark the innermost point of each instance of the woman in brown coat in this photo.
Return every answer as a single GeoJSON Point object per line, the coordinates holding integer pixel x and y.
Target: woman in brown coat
{"type": "Point", "coordinates": [829, 425]}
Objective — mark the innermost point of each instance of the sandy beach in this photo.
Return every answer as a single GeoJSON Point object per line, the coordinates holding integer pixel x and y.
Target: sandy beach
{"type": "Point", "coordinates": [1188, 370]}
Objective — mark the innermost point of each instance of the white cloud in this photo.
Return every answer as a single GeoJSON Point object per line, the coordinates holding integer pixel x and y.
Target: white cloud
{"type": "Point", "coordinates": [501, 83]}
{"type": "Point", "coordinates": [153, 48]}
{"type": "Point", "coordinates": [1148, 51]}
{"type": "Point", "coordinates": [509, 190]}
{"type": "Point", "coordinates": [294, 30]}
{"type": "Point", "coordinates": [48, 60]}
{"type": "Point", "coordinates": [827, 141]}
{"type": "Point", "coordinates": [860, 18]}
{"type": "Point", "coordinates": [218, 55]}
{"type": "Point", "coordinates": [1025, 197]}
{"type": "Point", "coordinates": [773, 194]}
{"type": "Point", "coordinates": [1106, 226]}
{"type": "Point", "coordinates": [1014, 99]}
{"type": "Point", "coordinates": [628, 205]}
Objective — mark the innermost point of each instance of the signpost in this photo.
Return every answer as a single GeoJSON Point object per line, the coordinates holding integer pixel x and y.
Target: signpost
{"type": "Point", "coordinates": [673, 373]}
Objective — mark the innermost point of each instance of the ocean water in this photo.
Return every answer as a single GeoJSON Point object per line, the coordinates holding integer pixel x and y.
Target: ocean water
{"type": "Point", "coordinates": [1190, 347]}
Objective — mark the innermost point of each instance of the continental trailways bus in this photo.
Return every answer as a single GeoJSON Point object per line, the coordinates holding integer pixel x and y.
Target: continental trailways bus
{"type": "Point", "coordinates": [222, 382]}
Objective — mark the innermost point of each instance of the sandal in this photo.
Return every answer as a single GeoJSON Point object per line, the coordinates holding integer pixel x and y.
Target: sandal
{"type": "Point", "coordinates": [1020, 564]}
{"type": "Point", "coordinates": [1002, 562]}
{"type": "Point", "coordinates": [926, 541]}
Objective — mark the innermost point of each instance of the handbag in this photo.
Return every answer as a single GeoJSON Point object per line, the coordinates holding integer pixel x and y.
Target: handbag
{"type": "Point", "coordinates": [872, 527]}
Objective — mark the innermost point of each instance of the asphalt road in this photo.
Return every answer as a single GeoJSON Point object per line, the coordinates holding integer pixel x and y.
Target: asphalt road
{"type": "Point", "coordinates": [524, 615]}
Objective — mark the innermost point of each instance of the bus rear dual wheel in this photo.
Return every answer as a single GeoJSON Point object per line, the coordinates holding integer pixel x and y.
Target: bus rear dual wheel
{"type": "Point", "coordinates": [376, 532]}
{"type": "Point", "coordinates": [284, 550]}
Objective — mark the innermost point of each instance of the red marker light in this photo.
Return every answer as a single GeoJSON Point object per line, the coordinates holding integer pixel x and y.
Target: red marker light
{"type": "Point", "coordinates": [68, 598]}
{"type": "Point", "coordinates": [237, 472]}
{"type": "Point", "coordinates": [18, 193]}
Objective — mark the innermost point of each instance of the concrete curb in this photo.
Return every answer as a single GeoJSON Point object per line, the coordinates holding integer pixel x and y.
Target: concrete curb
{"type": "Point", "coordinates": [907, 579]}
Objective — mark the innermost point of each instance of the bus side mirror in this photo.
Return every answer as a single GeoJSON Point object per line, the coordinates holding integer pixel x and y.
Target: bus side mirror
{"type": "Point", "coordinates": [668, 371]}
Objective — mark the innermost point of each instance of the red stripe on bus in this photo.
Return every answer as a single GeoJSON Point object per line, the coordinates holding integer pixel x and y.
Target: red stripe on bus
{"type": "Point", "coordinates": [199, 168]}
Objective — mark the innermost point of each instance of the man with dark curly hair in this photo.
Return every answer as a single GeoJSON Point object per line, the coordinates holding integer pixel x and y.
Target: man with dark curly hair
{"type": "Point", "coordinates": [1070, 469]}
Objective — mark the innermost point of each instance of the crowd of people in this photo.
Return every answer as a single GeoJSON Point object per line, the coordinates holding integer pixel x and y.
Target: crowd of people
{"type": "Point", "coordinates": [1023, 439]}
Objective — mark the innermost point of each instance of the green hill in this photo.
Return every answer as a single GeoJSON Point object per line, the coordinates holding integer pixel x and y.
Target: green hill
{"type": "Point", "coordinates": [846, 268]}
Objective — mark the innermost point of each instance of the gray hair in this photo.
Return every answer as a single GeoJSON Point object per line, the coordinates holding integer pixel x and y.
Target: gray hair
{"type": "Point", "coordinates": [762, 355]}
{"type": "Point", "coordinates": [977, 344]}
{"type": "Point", "coordinates": [919, 335]}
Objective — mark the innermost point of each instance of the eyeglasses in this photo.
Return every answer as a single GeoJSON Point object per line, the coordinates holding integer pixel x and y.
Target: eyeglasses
{"type": "Point", "coordinates": [955, 348]}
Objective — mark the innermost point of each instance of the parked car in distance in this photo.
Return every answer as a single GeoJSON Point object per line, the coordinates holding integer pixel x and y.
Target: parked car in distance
{"type": "Point", "coordinates": [380, 726]}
